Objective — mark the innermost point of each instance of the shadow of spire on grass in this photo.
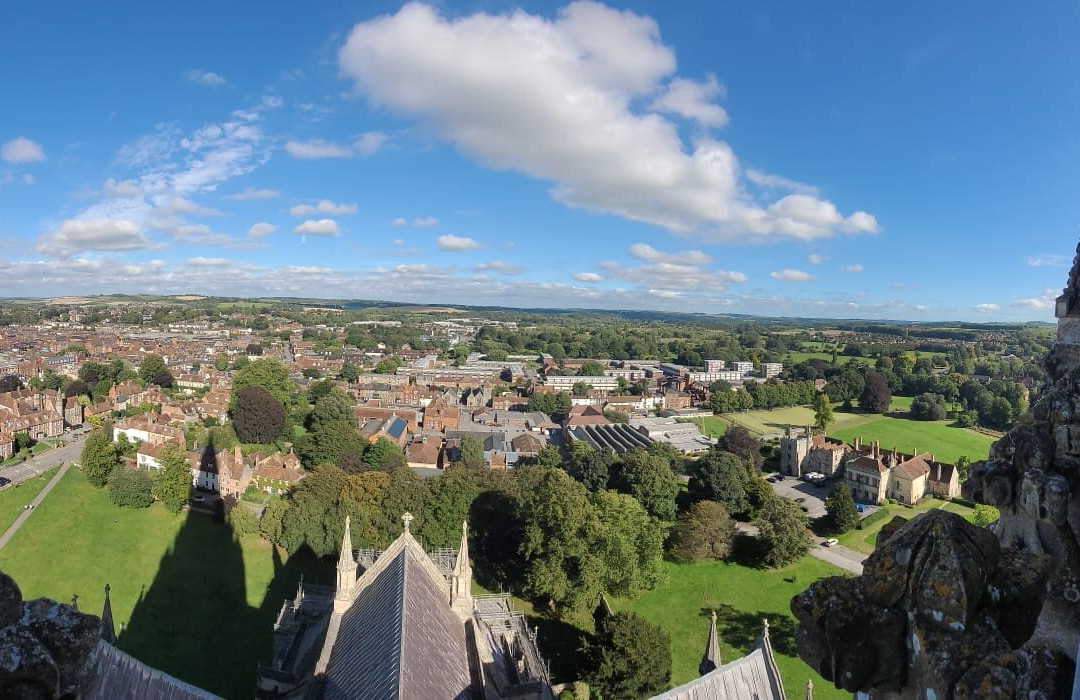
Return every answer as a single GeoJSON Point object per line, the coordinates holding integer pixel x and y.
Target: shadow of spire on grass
{"type": "Point", "coordinates": [195, 621]}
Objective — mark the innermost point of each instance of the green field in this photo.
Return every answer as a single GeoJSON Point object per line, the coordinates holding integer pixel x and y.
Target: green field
{"type": "Point", "coordinates": [946, 442]}
{"type": "Point", "coordinates": [794, 358]}
{"type": "Point", "coordinates": [17, 496]}
{"type": "Point", "coordinates": [193, 600]}
{"type": "Point", "coordinates": [713, 426]}
{"type": "Point", "coordinates": [865, 540]}
{"type": "Point", "coordinates": [778, 419]}
{"type": "Point", "coordinates": [742, 597]}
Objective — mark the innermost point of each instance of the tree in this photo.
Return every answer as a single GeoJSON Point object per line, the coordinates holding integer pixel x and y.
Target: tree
{"type": "Point", "coordinates": [722, 477]}
{"type": "Point", "coordinates": [629, 541]}
{"type": "Point", "coordinates": [152, 365]}
{"type": "Point", "coordinates": [629, 657]}
{"type": "Point", "coordinates": [258, 416]}
{"type": "Point", "coordinates": [164, 379]}
{"type": "Point", "coordinates": [242, 520]}
{"type": "Point", "coordinates": [928, 407]}
{"type": "Point", "coordinates": [985, 515]}
{"type": "Point", "coordinates": [616, 416]}
{"type": "Point", "coordinates": [270, 525]}
{"type": "Point", "coordinates": [76, 387]}
{"type": "Point", "coordinates": [254, 349]}
{"type": "Point", "coordinates": [840, 507]}
{"type": "Point", "coordinates": [334, 406]}
{"type": "Point", "coordinates": [876, 394]}
{"type": "Point", "coordinates": [581, 389]}
{"type": "Point", "coordinates": [388, 365]}
{"type": "Point", "coordinates": [131, 489]}
{"type": "Point", "coordinates": [100, 456]}
{"type": "Point", "coordinates": [349, 373]}
{"type": "Point", "coordinates": [336, 442]}
{"type": "Point", "coordinates": [649, 479]}
{"type": "Point", "coordinates": [384, 454]}
{"type": "Point", "coordinates": [738, 440]}
{"type": "Point", "coordinates": [963, 464]}
{"type": "Point", "coordinates": [704, 531]}
{"type": "Point", "coordinates": [589, 465]}
{"type": "Point", "coordinates": [173, 486]}
{"type": "Point", "coordinates": [782, 532]}
{"type": "Point", "coordinates": [823, 410]}
{"type": "Point", "coordinates": [10, 382]}
{"type": "Point", "coordinates": [471, 453]}
{"type": "Point", "coordinates": [591, 368]}
{"type": "Point", "coordinates": [269, 374]}
{"type": "Point", "coordinates": [221, 362]}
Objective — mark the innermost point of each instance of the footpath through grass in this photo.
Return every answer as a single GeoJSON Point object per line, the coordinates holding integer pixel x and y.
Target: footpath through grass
{"type": "Point", "coordinates": [14, 498]}
{"type": "Point", "coordinates": [193, 600]}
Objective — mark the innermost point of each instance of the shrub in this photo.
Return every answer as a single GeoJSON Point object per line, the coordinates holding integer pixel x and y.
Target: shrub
{"type": "Point", "coordinates": [242, 520]}
{"type": "Point", "coordinates": [131, 489]}
{"type": "Point", "coordinates": [872, 518]}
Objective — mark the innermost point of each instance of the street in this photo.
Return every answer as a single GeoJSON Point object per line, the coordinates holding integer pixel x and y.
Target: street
{"type": "Point", "coordinates": [69, 452]}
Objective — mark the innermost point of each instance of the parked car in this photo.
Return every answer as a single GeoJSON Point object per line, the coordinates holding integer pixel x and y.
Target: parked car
{"type": "Point", "coordinates": [4, 481]}
{"type": "Point", "coordinates": [800, 499]}
{"type": "Point", "coordinates": [830, 542]}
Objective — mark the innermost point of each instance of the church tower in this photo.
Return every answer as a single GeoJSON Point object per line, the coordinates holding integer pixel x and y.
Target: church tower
{"type": "Point", "coordinates": [1067, 311]}
{"type": "Point", "coordinates": [461, 578]}
{"type": "Point", "coordinates": [346, 570]}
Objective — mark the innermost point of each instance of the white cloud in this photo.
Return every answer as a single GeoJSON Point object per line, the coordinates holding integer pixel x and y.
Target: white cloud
{"type": "Point", "coordinates": [28, 179]}
{"type": "Point", "coordinates": [398, 222]}
{"type": "Point", "coordinates": [208, 262]}
{"type": "Point", "coordinates": [205, 78]}
{"type": "Point", "coordinates": [1040, 303]}
{"type": "Point", "coordinates": [251, 194]}
{"type": "Point", "coordinates": [457, 243]}
{"type": "Point", "coordinates": [22, 150]}
{"type": "Point", "coordinates": [693, 100]}
{"type": "Point", "coordinates": [644, 251]}
{"type": "Point", "coordinates": [1048, 261]}
{"type": "Point", "coordinates": [320, 227]}
{"type": "Point", "coordinates": [561, 100]}
{"type": "Point", "coordinates": [588, 277]}
{"type": "Point", "coordinates": [854, 267]}
{"type": "Point", "coordinates": [986, 308]}
{"type": "Point", "coordinates": [815, 259]}
{"type": "Point", "coordinates": [790, 275]}
{"type": "Point", "coordinates": [261, 230]}
{"type": "Point", "coordinates": [779, 182]}
{"type": "Point", "coordinates": [324, 206]}
{"type": "Point", "coordinates": [675, 276]}
{"type": "Point", "coordinates": [501, 267]}
{"type": "Point", "coordinates": [425, 222]}
{"type": "Point", "coordinates": [317, 148]}
{"type": "Point", "coordinates": [79, 236]}
{"type": "Point", "coordinates": [370, 143]}
{"type": "Point", "coordinates": [122, 189]}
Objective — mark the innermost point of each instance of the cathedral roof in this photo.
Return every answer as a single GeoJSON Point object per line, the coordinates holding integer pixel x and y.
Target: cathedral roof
{"type": "Point", "coordinates": [399, 638]}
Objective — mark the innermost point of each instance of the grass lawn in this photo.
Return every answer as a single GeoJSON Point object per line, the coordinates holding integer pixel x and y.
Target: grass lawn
{"type": "Point", "coordinates": [946, 442]}
{"type": "Point", "coordinates": [865, 540]}
{"type": "Point", "coordinates": [776, 420]}
{"type": "Point", "coordinates": [713, 426]}
{"type": "Point", "coordinates": [794, 358]}
{"type": "Point", "coordinates": [193, 600]}
{"type": "Point", "coordinates": [13, 498]}
{"type": "Point", "coordinates": [741, 596]}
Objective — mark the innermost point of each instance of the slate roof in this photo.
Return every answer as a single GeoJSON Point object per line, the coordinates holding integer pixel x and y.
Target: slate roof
{"type": "Point", "coordinates": [119, 675]}
{"type": "Point", "coordinates": [400, 638]}
{"type": "Point", "coordinates": [752, 677]}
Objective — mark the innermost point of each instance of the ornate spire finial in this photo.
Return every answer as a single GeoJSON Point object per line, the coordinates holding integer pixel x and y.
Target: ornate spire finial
{"type": "Point", "coordinates": [809, 689]}
{"type": "Point", "coordinates": [407, 519]}
{"type": "Point", "coordinates": [765, 627]}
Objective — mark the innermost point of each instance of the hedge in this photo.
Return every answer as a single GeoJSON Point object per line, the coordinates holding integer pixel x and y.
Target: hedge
{"type": "Point", "coordinates": [872, 518]}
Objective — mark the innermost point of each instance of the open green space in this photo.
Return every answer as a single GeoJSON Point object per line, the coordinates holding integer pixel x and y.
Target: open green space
{"type": "Point", "coordinates": [713, 426]}
{"type": "Point", "coordinates": [740, 595]}
{"type": "Point", "coordinates": [193, 600]}
{"type": "Point", "coordinates": [794, 358]}
{"type": "Point", "coordinates": [778, 419]}
{"type": "Point", "coordinates": [948, 443]}
{"type": "Point", "coordinates": [866, 540]}
{"type": "Point", "coordinates": [14, 498]}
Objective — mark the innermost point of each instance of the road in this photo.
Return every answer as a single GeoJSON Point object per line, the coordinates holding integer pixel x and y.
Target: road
{"type": "Point", "coordinates": [837, 555]}
{"type": "Point", "coordinates": [70, 452]}
{"type": "Point", "coordinates": [813, 499]}
{"type": "Point", "coordinates": [25, 515]}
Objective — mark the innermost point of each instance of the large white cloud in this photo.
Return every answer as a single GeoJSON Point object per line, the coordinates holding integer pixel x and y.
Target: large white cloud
{"type": "Point", "coordinates": [318, 227]}
{"type": "Point", "coordinates": [644, 251]}
{"type": "Point", "coordinates": [560, 100]}
{"type": "Point", "coordinates": [457, 243]}
{"type": "Point", "coordinates": [22, 150]}
{"type": "Point", "coordinates": [76, 236]}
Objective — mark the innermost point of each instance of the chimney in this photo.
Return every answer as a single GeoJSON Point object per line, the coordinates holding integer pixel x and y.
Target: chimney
{"type": "Point", "coordinates": [938, 473]}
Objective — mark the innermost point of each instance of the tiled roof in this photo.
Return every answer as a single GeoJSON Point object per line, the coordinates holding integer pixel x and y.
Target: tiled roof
{"type": "Point", "coordinates": [913, 468]}
{"type": "Point", "coordinates": [400, 639]}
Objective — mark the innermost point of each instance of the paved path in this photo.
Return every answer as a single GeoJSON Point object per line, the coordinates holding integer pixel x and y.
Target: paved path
{"type": "Point", "coordinates": [23, 516]}
{"type": "Point", "coordinates": [69, 452]}
{"type": "Point", "coordinates": [839, 555]}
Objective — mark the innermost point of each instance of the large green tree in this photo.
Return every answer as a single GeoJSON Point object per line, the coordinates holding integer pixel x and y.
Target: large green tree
{"type": "Point", "coordinates": [337, 442]}
{"type": "Point", "coordinates": [334, 406]}
{"type": "Point", "coordinates": [151, 366]}
{"type": "Point", "coordinates": [173, 487]}
{"type": "Point", "coordinates": [649, 479]}
{"type": "Point", "coordinates": [704, 531]}
{"type": "Point", "coordinates": [268, 373]}
{"type": "Point", "coordinates": [100, 456]}
{"type": "Point", "coordinates": [738, 440]}
{"type": "Point", "coordinates": [840, 507]}
{"type": "Point", "coordinates": [876, 395]}
{"type": "Point", "coordinates": [782, 532]}
{"type": "Point", "coordinates": [823, 411]}
{"type": "Point", "coordinates": [629, 657]}
{"type": "Point", "coordinates": [630, 543]}
{"type": "Point", "coordinates": [722, 477]}
{"type": "Point", "coordinates": [471, 453]}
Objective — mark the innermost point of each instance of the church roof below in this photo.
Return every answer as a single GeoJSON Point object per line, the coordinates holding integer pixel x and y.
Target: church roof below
{"type": "Point", "coordinates": [752, 677]}
{"type": "Point", "coordinates": [400, 638]}
{"type": "Point", "coordinates": [119, 675]}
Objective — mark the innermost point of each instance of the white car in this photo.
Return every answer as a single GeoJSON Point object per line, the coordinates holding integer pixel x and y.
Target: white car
{"type": "Point", "coordinates": [830, 542]}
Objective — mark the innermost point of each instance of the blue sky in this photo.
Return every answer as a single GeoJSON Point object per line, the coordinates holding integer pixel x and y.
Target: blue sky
{"type": "Point", "coordinates": [846, 159]}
